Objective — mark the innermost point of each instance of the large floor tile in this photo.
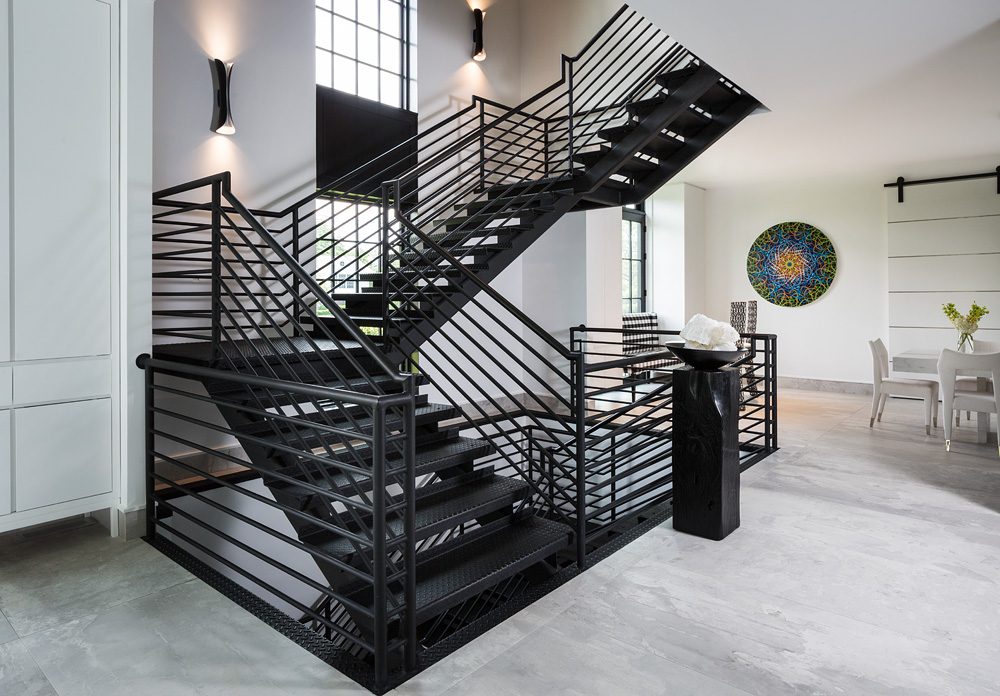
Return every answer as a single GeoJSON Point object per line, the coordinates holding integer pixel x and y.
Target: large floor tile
{"type": "Point", "coordinates": [565, 659]}
{"type": "Point", "coordinates": [188, 639]}
{"type": "Point", "coordinates": [19, 675]}
{"type": "Point", "coordinates": [49, 580]}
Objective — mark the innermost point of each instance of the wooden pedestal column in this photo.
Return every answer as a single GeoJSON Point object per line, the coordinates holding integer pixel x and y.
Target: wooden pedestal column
{"type": "Point", "coordinates": [706, 457]}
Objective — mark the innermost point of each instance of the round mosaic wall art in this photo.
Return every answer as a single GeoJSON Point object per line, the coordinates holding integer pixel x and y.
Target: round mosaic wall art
{"type": "Point", "coordinates": [791, 264]}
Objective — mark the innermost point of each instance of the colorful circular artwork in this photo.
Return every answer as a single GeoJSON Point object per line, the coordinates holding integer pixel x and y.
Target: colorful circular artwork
{"type": "Point", "coordinates": [791, 264]}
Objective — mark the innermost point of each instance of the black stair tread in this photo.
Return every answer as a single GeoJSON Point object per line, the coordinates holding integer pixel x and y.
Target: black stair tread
{"type": "Point", "coordinates": [441, 506]}
{"type": "Point", "coordinates": [423, 414]}
{"type": "Point", "coordinates": [523, 216]}
{"type": "Point", "coordinates": [675, 78]}
{"type": "Point", "coordinates": [715, 99]}
{"type": "Point", "coordinates": [661, 146]}
{"type": "Point", "coordinates": [442, 237]}
{"type": "Point", "coordinates": [459, 569]}
{"type": "Point", "coordinates": [536, 185]}
{"type": "Point", "coordinates": [243, 393]}
{"type": "Point", "coordinates": [688, 123]}
{"type": "Point", "coordinates": [431, 271]}
{"type": "Point", "coordinates": [431, 457]}
{"type": "Point", "coordinates": [200, 352]}
{"type": "Point", "coordinates": [634, 166]}
{"type": "Point", "coordinates": [514, 200]}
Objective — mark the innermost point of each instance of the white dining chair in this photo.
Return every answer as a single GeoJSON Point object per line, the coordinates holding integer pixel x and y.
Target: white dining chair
{"type": "Point", "coordinates": [884, 386]}
{"type": "Point", "coordinates": [972, 384]}
{"type": "Point", "coordinates": [950, 362]}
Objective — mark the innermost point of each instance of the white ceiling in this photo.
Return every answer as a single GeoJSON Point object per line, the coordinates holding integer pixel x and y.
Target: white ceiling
{"type": "Point", "coordinates": [878, 88]}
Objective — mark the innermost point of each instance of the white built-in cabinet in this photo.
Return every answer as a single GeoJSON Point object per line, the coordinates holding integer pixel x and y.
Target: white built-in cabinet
{"type": "Point", "coordinates": [58, 140]}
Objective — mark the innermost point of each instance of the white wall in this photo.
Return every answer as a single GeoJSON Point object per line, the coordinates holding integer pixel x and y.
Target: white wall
{"type": "Point", "coordinates": [273, 153]}
{"type": "Point", "coordinates": [676, 277]}
{"type": "Point", "coordinates": [446, 74]}
{"type": "Point", "coordinates": [828, 338]}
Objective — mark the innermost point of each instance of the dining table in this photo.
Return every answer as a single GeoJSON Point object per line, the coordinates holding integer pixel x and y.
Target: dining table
{"type": "Point", "coordinates": [925, 362]}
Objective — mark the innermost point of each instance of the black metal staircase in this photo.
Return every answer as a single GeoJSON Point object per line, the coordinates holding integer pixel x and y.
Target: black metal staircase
{"type": "Point", "coordinates": [419, 516]}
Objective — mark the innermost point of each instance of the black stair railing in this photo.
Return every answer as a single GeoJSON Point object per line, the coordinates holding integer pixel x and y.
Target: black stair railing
{"type": "Point", "coordinates": [303, 317]}
{"type": "Point", "coordinates": [322, 410]}
{"type": "Point", "coordinates": [513, 177]}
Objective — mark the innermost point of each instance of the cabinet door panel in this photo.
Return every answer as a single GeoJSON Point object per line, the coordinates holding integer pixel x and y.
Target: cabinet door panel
{"type": "Point", "coordinates": [62, 188]}
{"type": "Point", "coordinates": [5, 188]}
{"type": "Point", "coordinates": [4, 462]}
{"type": "Point", "coordinates": [61, 452]}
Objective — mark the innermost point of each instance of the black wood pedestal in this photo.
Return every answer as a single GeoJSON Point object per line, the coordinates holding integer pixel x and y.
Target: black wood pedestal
{"type": "Point", "coordinates": [706, 457]}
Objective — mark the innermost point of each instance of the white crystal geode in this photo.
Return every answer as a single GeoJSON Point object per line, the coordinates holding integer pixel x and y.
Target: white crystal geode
{"type": "Point", "coordinates": [706, 333]}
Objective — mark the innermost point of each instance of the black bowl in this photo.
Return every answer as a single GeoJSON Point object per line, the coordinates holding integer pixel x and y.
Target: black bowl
{"type": "Point", "coordinates": [701, 359]}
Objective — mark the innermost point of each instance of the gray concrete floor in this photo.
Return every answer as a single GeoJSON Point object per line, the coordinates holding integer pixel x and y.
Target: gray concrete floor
{"type": "Point", "coordinates": [868, 563]}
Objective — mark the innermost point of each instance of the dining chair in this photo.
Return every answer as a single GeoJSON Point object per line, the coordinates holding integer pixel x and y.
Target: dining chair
{"type": "Point", "coordinates": [950, 362]}
{"type": "Point", "coordinates": [971, 384]}
{"type": "Point", "coordinates": [884, 386]}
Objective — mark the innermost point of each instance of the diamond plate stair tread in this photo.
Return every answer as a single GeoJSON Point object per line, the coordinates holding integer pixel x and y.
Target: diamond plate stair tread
{"type": "Point", "coordinates": [355, 384]}
{"type": "Point", "coordinates": [443, 506]}
{"type": "Point", "coordinates": [460, 569]}
{"type": "Point", "coordinates": [200, 352]}
{"type": "Point", "coordinates": [427, 413]}
{"type": "Point", "coordinates": [432, 457]}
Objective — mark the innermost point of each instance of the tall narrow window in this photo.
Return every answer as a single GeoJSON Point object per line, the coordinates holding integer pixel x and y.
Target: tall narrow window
{"type": "Point", "coordinates": [633, 259]}
{"type": "Point", "coordinates": [364, 48]}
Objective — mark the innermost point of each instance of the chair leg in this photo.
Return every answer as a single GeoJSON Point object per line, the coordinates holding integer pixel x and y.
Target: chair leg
{"type": "Point", "coordinates": [875, 397]}
{"type": "Point", "coordinates": [928, 409]}
{"type": "Point", "coordinates": [881, 406]}
{"type": "Point", "coordinates": [934, 398]}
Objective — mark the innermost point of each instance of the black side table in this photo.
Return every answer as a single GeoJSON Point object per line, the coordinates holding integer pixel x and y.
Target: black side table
{"type": "Point", "coordinates": [706, 457]}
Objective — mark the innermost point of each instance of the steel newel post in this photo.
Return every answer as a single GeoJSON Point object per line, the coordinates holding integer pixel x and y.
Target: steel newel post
{"type": "Point", "coordinates": [773, 340]}
{"type": "Point", "coordinates": [216, 269]}
{"type": "Point", "coordinates": [545, 146]}
{"type": "Point", "coordinates": [380, 642]}
{"type": "Point", "coordinates": [482, 145]}
{"type": "Point", "coordinates": [580, 406]}
{"type": "Point", "coordinates": [295, 255]}
{"type": "Point", "coordinates": [568, 62]}
{"type": "Point", "coordinates": [410, 525]}
{"type": "Point", "coordinates": [150, 461]}
{"type": "Point", "coordinates": [385, 259]}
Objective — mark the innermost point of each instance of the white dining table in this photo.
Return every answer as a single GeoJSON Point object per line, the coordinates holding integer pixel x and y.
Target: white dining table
{"type": "Point", "coordinates": [925, 362]}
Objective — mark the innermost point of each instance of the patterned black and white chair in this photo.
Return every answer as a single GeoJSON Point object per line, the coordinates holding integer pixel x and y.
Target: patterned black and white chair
{"type": "Point", "coordinates": [638, 337]}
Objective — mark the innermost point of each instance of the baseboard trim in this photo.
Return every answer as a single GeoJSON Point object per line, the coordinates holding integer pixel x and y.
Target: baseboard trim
{"type": "Point", "coordinates": [824, 385]}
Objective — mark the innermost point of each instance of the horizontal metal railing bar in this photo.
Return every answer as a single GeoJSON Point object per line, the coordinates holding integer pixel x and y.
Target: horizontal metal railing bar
{"type": "Point", "coordinates": [323, 392]}
{"type": "Point", "coordinates": [312, 286]}
{"type": "Point", "coordinates": [253, 578]}
{"type": "Point", "coordinates": [360, 542]}
{"type": "Point", "coordinates": [305, 485]}
{"type": "Point", "coordinates": [269, 416]}
{"type": "Point", "coordinates": [259, 471]}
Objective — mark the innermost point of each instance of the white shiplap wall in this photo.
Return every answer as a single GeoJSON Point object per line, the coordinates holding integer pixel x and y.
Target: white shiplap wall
{"type": "Point", "coordinates": [944, 246]}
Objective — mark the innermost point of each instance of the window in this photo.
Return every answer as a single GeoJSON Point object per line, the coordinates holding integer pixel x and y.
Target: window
{"type": "Point", "coordinates": [633, 259]}
{"type": "Point", "coordinates": [341, 264]}
{"type": "Point", "coordinates": [364, 47]}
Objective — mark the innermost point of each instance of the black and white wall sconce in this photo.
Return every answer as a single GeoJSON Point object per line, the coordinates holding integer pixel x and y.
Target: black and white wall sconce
{"type": "Point", "coordinates": [478, 52]}
{"type": "Point", "coordinates": [222, 112]}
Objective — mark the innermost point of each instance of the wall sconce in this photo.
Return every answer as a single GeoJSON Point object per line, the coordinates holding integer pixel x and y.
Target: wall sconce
{"type": "Point", "coordinates": [478, 52]}
{"type": "Point", "coordinates": [222, 112]}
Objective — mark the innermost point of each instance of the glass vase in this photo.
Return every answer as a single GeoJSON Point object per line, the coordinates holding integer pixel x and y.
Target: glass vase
{"type": "Point", "coordinates": [966, 344]}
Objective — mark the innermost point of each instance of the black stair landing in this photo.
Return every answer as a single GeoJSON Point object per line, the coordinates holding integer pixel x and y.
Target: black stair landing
{"type": "Point", "coordinates": [456, 570]}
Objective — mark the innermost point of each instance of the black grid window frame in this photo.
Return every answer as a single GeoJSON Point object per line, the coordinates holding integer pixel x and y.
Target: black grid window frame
{"type": "Point", "coordinates": [327, 11]}
{"type": "Point", "coordinates": [633, 258]}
